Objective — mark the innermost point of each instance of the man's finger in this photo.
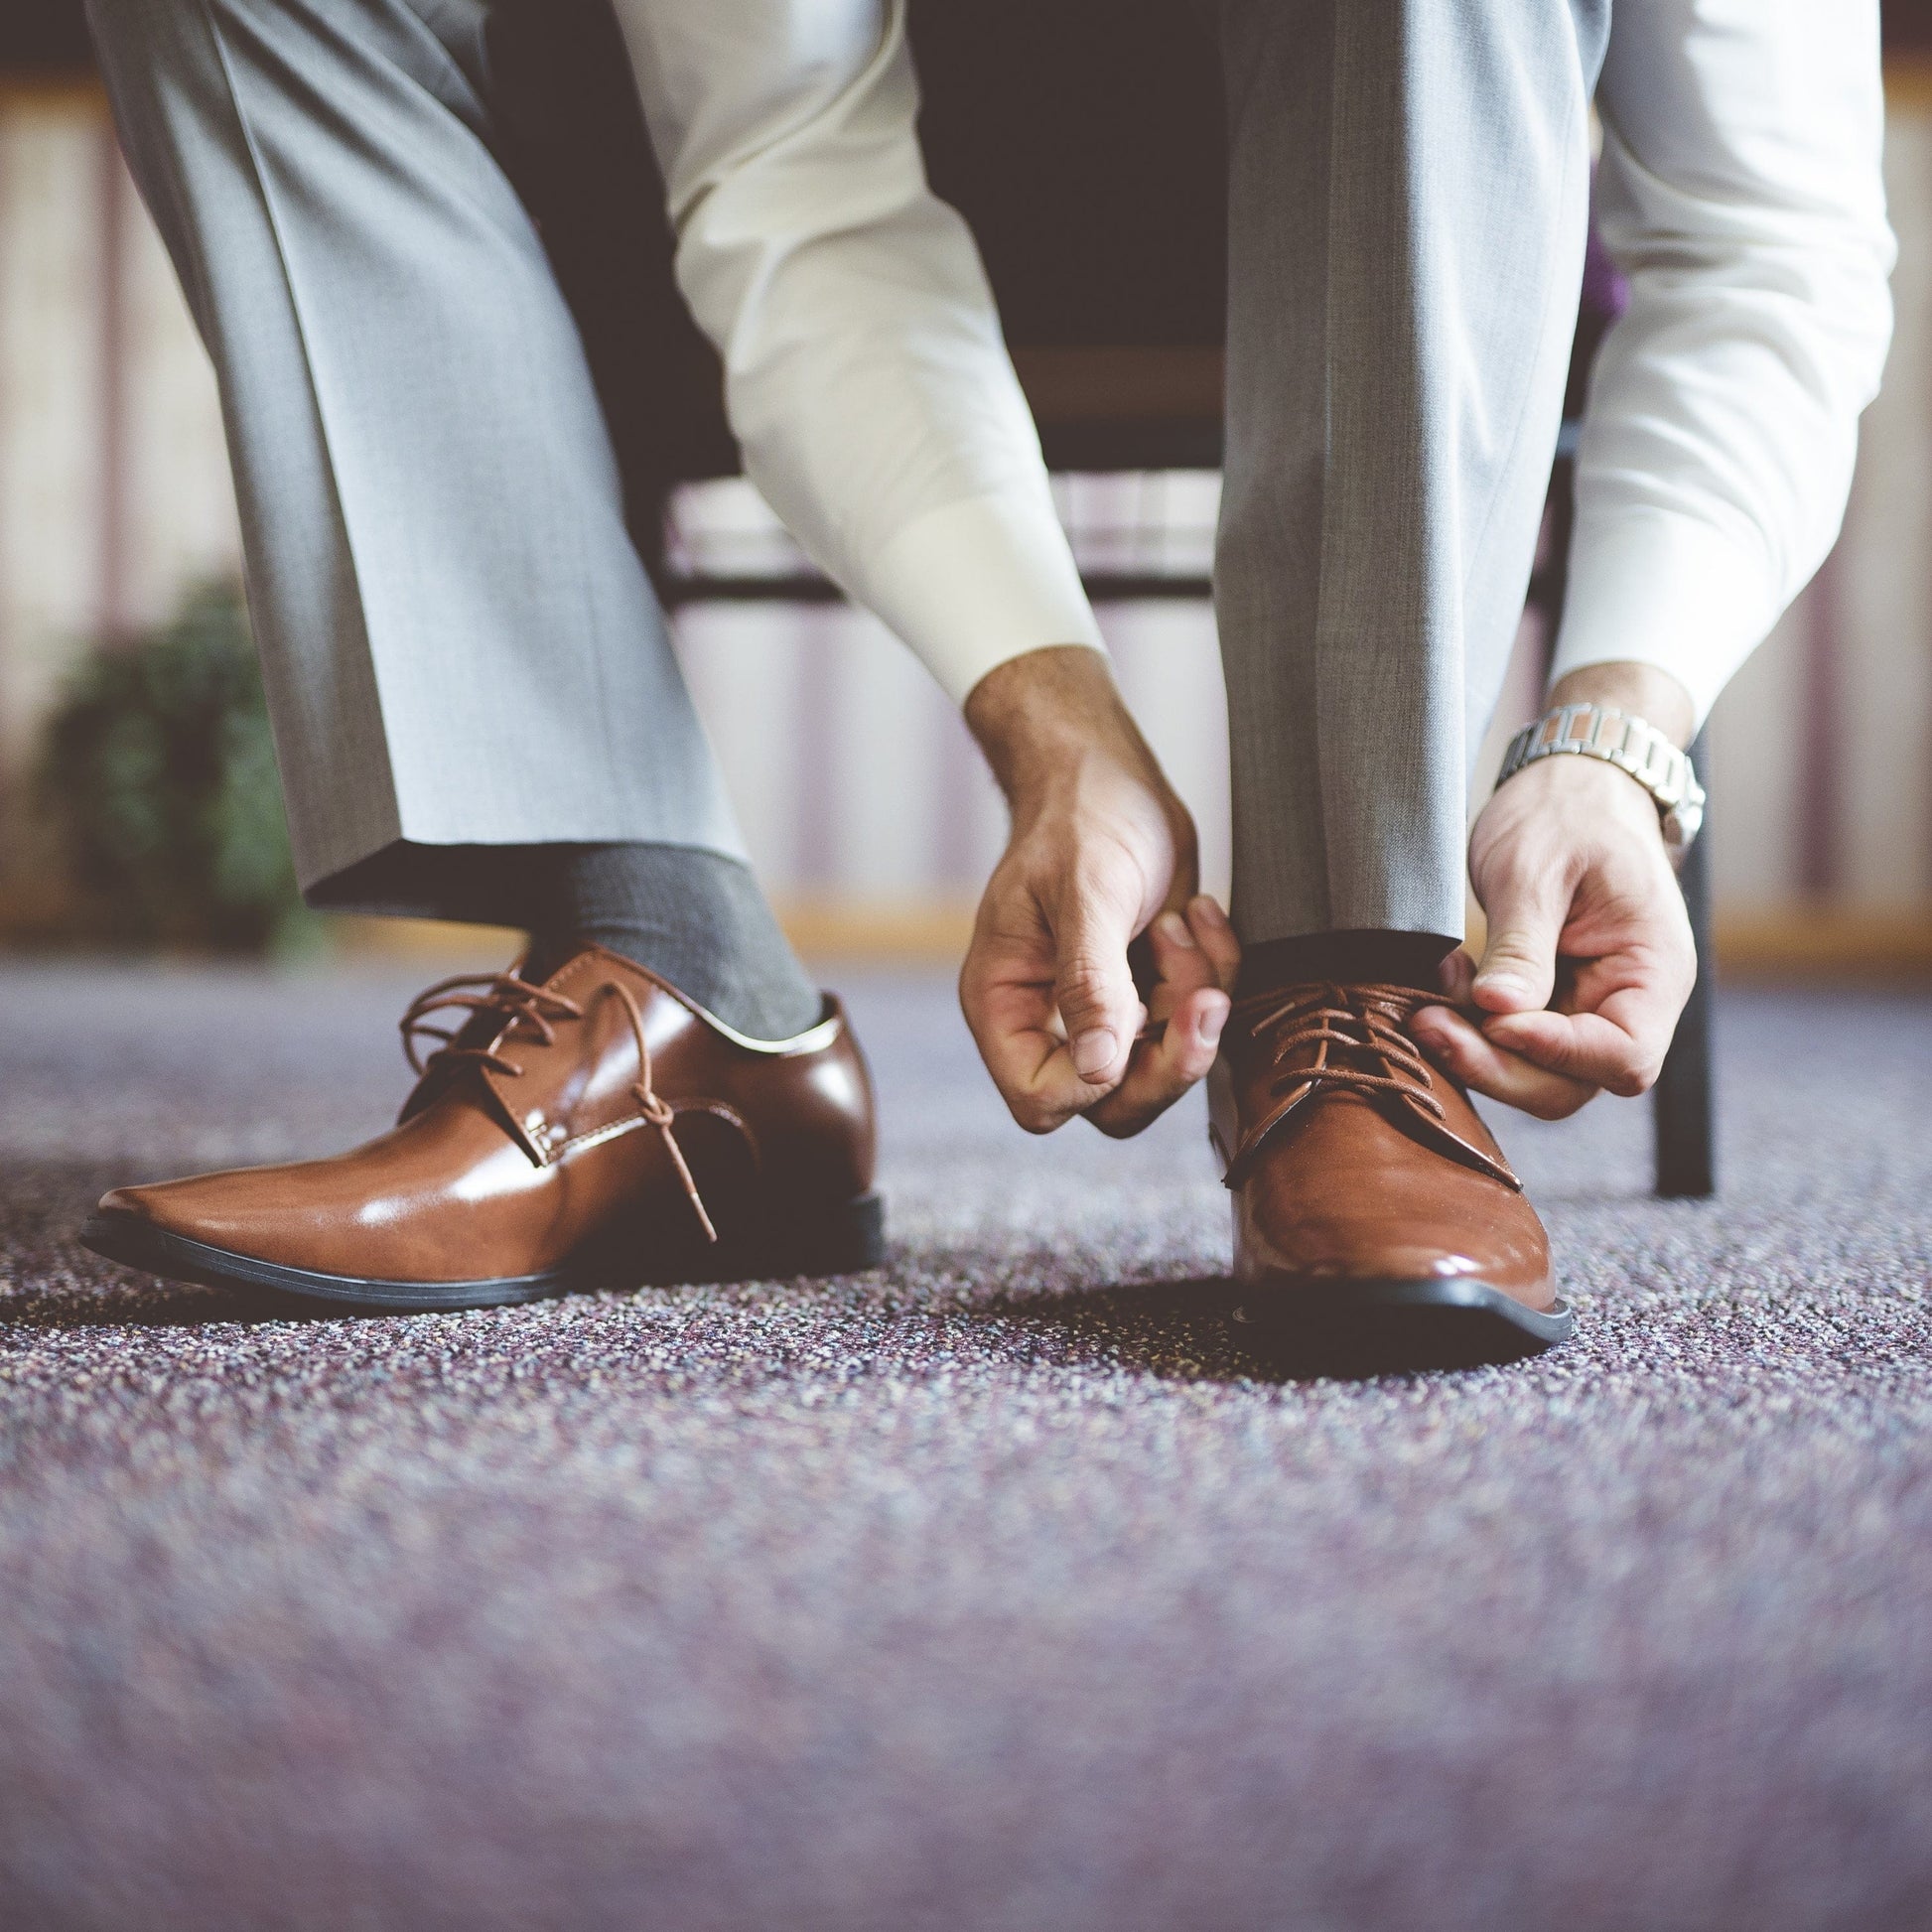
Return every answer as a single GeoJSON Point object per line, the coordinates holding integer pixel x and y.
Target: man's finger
{"type": "Point", "coordinates": [1093, 987]}
{"type": "Point", "coordinates": [1006, 992]}
{"type": "Point", "coordinates": [1198, 959]}
{"type": "Point", "coordinates": [1214, 934]}
{"type": "Point", "coordinates": [1162, 1070]}
{"type": "Point", "coordinates": [1019, 1039]}
{"type": "Point", "coordinates": [1589, 1047]}
{"type": "Point", "coordinates": [1188, 954]}
{"type": "Point", "coordinates": [1183, 966]}
{"type": "Point", "coordinates": [1458, 974]}
{"type": "Point", "coordinates": [1489, 1068]}
{"type": "Point", "coordinates": [1518, 969]}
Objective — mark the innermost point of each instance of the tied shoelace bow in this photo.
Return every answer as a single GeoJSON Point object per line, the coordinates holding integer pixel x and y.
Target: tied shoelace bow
{"type": "Point", "coordinates": [518, 1002]}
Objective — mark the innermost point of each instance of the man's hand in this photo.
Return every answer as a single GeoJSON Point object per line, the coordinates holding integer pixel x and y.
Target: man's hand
{"type": "Point", "coordinates": [1101, 851]}
{"type": "Point", "coordinates": [1590, 956]}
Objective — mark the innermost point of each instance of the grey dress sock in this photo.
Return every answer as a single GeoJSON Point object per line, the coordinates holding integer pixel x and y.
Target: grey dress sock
{"type": "Point", "coordinates": [694, 918]}
{"type": "Point", "coordinates": [698, 919]}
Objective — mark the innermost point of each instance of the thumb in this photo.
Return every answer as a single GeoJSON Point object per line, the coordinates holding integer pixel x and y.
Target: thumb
{"type": "Point", "coordinates": [1518, 970]}
{"type": "Point", "coordinates": [1094, 987]}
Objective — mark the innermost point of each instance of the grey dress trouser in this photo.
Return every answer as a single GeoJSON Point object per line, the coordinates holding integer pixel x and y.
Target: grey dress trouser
{"type": "Point", "coordinates": [460, 642]}
{"type": "Point", "coordinates": [1409, 201]}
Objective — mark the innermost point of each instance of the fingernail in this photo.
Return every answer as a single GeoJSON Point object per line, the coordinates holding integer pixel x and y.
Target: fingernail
{"type": "Point", "coordinates": [1202, 906]}
{"type": "Point", "coordinates": [1094, 1054]}
{"type": "Point", "coordinates": [1173, 929]}
{"type": "Point", "coordinates": [1211, 1024]}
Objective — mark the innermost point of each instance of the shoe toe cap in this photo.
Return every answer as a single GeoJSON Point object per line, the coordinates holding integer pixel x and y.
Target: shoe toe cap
{"type": "Point", "coordinates": [1300, 1240]}
{"type": "Point", "coordinates": [204, 1208]}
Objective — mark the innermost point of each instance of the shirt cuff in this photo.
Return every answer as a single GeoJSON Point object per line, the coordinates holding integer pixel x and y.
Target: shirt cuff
{"type": "Point", "coordinates": [975, 583]}
{"type": "Point", "coordinates": [1656, 586]}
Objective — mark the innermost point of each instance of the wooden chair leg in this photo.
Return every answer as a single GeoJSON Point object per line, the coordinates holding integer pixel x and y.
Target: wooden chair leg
{"type": "Point", "coordinates": [1682, 1100]}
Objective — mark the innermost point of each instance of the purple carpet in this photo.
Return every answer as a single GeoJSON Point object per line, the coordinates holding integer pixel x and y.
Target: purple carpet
{"type": "Point", "coordinates": [998, 1589]}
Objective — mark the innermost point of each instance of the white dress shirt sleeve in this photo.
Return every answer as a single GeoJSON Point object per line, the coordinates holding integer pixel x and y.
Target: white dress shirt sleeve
{"type": "Point", "coordinates": [865, 373]}
{"type": "Point", "coordinates": [1740, 190]}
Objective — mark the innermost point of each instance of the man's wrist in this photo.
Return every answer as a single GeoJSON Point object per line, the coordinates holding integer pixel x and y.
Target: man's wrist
{"type": "Point", "coordinates": [1595, 716]}
{"type": "Point", "coordinates": [1637, 690]}
{"type": "Point", "coordinates": [1039, 714]}
{"type": "Point", "coordinates": [1557, 784]}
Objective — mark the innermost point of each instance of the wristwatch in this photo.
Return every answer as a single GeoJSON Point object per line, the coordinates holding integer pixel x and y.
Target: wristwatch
{"type": "Point", "coordinates": [1618, 737]}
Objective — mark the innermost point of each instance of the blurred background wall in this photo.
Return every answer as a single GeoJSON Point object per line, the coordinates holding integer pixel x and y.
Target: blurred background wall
{"type": "Point", "coordinates": [863, 799]}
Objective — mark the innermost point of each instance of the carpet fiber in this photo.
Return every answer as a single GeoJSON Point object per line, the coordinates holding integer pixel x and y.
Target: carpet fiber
{"type": "Point", "coordinates": [996, 1588]}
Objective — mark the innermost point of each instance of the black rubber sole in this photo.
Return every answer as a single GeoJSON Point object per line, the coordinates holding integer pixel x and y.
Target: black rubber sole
{"type": "Point", "coordinates": [842, 1243]}
{"type": "Point", "coordinates": [1366, 1328]}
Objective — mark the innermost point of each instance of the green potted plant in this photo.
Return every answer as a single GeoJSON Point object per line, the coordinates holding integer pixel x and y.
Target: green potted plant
{"type": "Point", "coordinates": [158, 770]}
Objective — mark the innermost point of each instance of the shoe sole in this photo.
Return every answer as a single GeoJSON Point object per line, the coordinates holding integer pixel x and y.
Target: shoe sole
{"type": "Point", "coordinates": [843, 1243]}
{"type": "Point", "coordinates": [1384, 1328]}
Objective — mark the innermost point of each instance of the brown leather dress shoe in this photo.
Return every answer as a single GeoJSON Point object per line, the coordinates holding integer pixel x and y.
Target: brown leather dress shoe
{"type": "Point", "coordinates": [599, 1130]}
{"type": "Point", "coordinates": [1374, 1215]}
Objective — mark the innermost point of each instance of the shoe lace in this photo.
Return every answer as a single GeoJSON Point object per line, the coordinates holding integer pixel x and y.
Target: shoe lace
{"type": "Point", "coordinates": [517, 1002]}
{"type": "Point", "coordinates": [1359, 1036]}
{"type": "Point", "coordinates": [521, 1004]}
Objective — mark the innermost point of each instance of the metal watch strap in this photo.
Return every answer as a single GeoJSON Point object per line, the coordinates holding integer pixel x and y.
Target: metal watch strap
{"type": "Point", "coordinates": [1622, 738]}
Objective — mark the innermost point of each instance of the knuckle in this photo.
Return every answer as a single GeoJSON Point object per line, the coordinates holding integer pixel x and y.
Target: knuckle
{"type": "Point", "coordinates": [1083, 987]}
{"type": "Point", "coordinates": [1631, 1067]}
{"type": "Point", "coordinates": [1560, 1106]}
{"type": "Point", "coordinates": [1630, 1081]}
{"type": "Point", "coordinates": [1515, 949]}
{"type": "Point", "coordinates": [1121, 1120]}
